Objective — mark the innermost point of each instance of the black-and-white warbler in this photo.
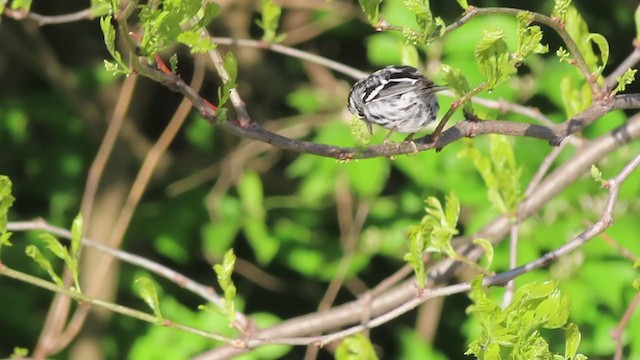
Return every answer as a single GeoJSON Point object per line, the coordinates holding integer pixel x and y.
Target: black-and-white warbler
{"type": "Point", "coordinates": [398, 98]}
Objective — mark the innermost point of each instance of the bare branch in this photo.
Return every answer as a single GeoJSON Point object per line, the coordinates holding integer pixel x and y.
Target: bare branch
{"type": "Point", "coordinates": [553, 134]}
{"type": "Point", "coordinates": [118, 309]}
{"type": "Point", "coordinates": [43, 20]}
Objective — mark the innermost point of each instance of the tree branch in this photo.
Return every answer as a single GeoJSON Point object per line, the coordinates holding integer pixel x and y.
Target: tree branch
{"type": "Point", "coordinates": [42, 20]}
{"type": "Point", "coordinates": [402, 298]}
{"type": "Point", "coordinates": [554, 134]}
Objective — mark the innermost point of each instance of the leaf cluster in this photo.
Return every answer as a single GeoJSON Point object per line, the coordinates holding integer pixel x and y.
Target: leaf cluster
{"type": "Point", "coordinates": [270, 21]}
{"type": "Point", "coordinates": [69, 256]}
{"type": "Point", "coordinates": [224, 272]}
{"type": "Point", "coordinates": [6, 200]}
{"type": "Point", "coordinates": [356, 347]}
{"type": "Point", "coordinates": [147, 289]}
{"type": "Point", "coordinates": [224, 92]}
{"type": "Point", "coordinates": [500, 173]}
{"type": "Point", "coordinates": [167, 22]}
{"type": "Point", "coordinates": [433, 234]}
{"type": "Point", "coordinates": [515, 332]}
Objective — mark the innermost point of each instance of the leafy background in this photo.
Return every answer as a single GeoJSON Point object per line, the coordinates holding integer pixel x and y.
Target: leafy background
{"type": "Point", "coordinates": [279, 210]}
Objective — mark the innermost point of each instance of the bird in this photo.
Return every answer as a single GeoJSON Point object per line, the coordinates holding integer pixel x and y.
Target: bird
{"type": "Point", "coordinates": [398, 98]}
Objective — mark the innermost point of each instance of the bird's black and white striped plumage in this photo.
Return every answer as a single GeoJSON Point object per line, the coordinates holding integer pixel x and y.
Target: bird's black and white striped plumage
{"type": "Point", "coordinates": [398, 98]}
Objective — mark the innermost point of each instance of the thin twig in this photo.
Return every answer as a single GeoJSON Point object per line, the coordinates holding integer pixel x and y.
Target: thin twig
{"type": "Point", "coordinates": [618, 247]}
{"type": "Point", "coordinates": [85, 300]}
{"type": "Point", "coordinates": [206, 292]}
{"type": "Point", "coordinates": [510, 287]}
{"type": "Point", "coordinates": [295, 53]}
{"type": "Point", "coordinates": [42, 20]}
{"type": "Point", "coordinates": [513, 245]}
{"type": "Point", "coordinates": [106, 147]}
{"type": "Point", "coordinates": [544, 168]}
{"type": "Point", "coordinates": [616, 333]}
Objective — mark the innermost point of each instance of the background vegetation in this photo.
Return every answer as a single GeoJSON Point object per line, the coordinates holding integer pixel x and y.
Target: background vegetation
{"type": "Point", "coordinates": [309, 232]}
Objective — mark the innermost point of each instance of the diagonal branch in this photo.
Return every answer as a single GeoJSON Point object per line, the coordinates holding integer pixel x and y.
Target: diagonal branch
{"type": "Point", "coordinates": [552, 133]}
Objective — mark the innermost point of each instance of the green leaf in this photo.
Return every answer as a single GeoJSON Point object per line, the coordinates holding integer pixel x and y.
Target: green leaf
{"type": "Point", "coordinates": [492, 56]}
{"type": "Point", "coordinates": [456, 80]}
{"type": "Point", "coordinates": [452, 210]}
{"type": "Point", "coordinates": [487, 247]}
{"type": "Point", "coordinates": [563, 55]}
{"type": "Point", "coordinates": [263, 244]}
{"type": "Point", "coordinates": [19, 353]}
{"type": "Point", "coordinates": [515, 332]}
{"type": "Point", "coordinates": [221, 115]}
{"type": "Point", "coordinates": [109, 33]}
{"type": "Point", "coordinates": [22, 5]}
{"type": "Point", "coordinates": [636, 18]}
{"type": "Point", "coordinates": [254, 226]}
{"type": "Point", "coordinates": [3, 3]}
{"type": "Point", "coordinates": [76, 235]}
{"type": "Point", "coordinates": [371, 8]}
{"type": "Point", "coordinates": [6, 200]}
{"type": "Point", "coordinates": [55, 246]}
{"type": "Point", "coordinates": [170, 22]}
{"type": "Point", "coordinates": [147, 290]}
{"type": "Point", "coordinates": [4, 240]}
{"type": "Point", "coordinates": [413, 257]}
{"type": "Point", "coordinates": [196, 42]}
{"type": "Point", "coordinates": [251, 194]}
{"type": "Point", "coordinates": [433, 234]}
{"type": "Point", "coordinates": [560, 9]}
{"type": "Point", "coordinates": [529, 37]}
{"type": "Point", "coordinates": [270, 20]}
{"type": "Point", "coordinates": [76, 242]}
{"type": "Point", "coordinates": [33, 252]}
{"type": "Point", "coordinates": [463, 4]}
{"type": "Point", "coordinates": [596, 175]}
{"type": "Point", "coordinates": [211, 11]}
{"type": "Point", "coordinates": [636, 282]}
{"type": "Point", "coordinates": [572, 336]}
{"type": "Point", "coordinates": [603, 45]}
{"type": "Point", "coordinates": [231, 67]}
{"type": "Point", "coordinates": [579, 31]}
{"type": "Point", "coordinates": [356, 347]}
{"type": "Point", "coordinates": [429, 28]}
{"type": "Point", "coordinates": [360, 132]}
{"type": "Point", "coordinates": [499, 172]}
{"type": "Point", "coordinates": [575, 100]}
{"type": "Point", "coordinates": [100, 8]}
{"type": "Point", "coordinates": [224, 272]}
{"type": "Point", "coordinates": [173, 63]}
{"type": "Point", "coordinates": [627, 78]}
{"type": "Point", "coordinates": [410, 55]}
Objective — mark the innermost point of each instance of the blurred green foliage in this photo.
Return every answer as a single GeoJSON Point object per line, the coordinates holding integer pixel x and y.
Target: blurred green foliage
{"type": "Point", "coordinates": [280, 211]}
